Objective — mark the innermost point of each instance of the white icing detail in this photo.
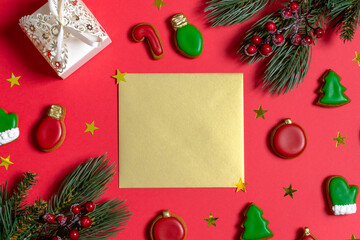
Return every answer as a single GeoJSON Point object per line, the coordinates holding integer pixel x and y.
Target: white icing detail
{"type": "Point", "coordinates": [344, 209]}
{"type": "Point", "coordinates": [9, 135]}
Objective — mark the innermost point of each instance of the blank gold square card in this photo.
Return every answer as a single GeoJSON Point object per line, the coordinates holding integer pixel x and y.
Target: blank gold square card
{"type": "Point", "coordinates": [181, 130]}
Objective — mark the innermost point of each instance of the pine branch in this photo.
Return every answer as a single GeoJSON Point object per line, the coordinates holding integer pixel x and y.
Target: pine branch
{"type": "Point", "coordinates": [289, 63]}
{"type": "Point", "coordinates": [107, 219]}
{"type": "Point", "coordinates": [287, 69]}
{"type": "Point", "coordinates": [230, 12]}
{"type": "Point", "coordinates": [87, 182]}
{"type": "Point", "coordinates": [345, 16]}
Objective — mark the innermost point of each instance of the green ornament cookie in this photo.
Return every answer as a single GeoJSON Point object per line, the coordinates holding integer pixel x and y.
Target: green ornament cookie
{"type": "Point", "coordinates": [341, 196]}
{"type": "Point", "coordinates": [331, 92]}
{"type": "Point", "coordinates": [255, 226]}
{"type": "Point", "coordinates": [188, 38]}
{"type": "Point", "coordinates": [8, 127]}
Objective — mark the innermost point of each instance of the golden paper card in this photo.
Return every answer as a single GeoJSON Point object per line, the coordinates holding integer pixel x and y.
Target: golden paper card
{"type": "Point", "coordinates": [181, 130]}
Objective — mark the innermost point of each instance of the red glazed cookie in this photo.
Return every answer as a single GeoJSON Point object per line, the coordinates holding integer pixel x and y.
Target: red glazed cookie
{"type": "Point", "coordinates": [51, 131]}
{"type": "Point", "coordinates": [168, 226]}
{"type": "Point", "coordinates": [147, 31]}
{"type": "Point", "coordinates": [288, 140]}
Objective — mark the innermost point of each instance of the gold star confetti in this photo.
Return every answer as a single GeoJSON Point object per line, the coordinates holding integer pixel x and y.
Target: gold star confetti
{"type": "Point", "coordinates": [260, 112]}
{"type": "Point", "coordinates": [159, 3]}
{"type": "Point", "coordinates": [339, 140]}
{"type": "Point", "coordinates": [91, 127]}
{"type": "Point", "coordinates": [211, 220]}
{"type": "Point", "coordinates": [353, 238]}
{"type": "Point", "coordinates": [5, 162]}
{"type": "Point", "coordinates": [14, 80]}
{"type": "Point", "coordinates": [240, 186]}
{"type": "Point", "coordinates": [289, 191]}
{"type": "Point", "coordinates": [357, 59]}
{"type": "Point", "coordinates": [119, 76]}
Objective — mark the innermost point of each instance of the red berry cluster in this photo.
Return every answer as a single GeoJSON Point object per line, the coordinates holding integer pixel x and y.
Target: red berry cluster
{"type": "Point", "coordinates": [276, 35]}
{"type": "Point", "coordinates": [66, 222]}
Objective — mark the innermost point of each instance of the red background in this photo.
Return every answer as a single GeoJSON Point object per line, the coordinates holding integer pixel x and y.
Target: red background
{"type": "Point", "coordinates": [91, 95]}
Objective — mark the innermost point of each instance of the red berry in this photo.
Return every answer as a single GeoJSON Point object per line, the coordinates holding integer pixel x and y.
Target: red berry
{"type": "Point", "coordinates": [89, 206]}
{"type": "Point", "coordinates": [56, 238]}
{"type": "Point", "coordinates": [75, 208]}
{"type": "Point", "coordinates": [306, 41]}
{"type": "Point", "coordinates": [265, 50]}
{"type": "Point", "coordinates": [85, 222]}
{"type": "Point", "coordinates": [286, 13]}
{"type": "Point", "coordinates": [250, 50]}
{"type": "Point", "coordinates": [61, 219]}
{"type": "Point", "coordinates": [74, 234]}
{"type": "Point", "coordinates": [294, 6]}
{"type": "Point", "coordinates": [256, 40]}
{"type": "Point", "coordinates": [48, 217]}
{"type": "Point", "coordinates": [270, 26]}
{"type": "Point", "coordinates": [278, 39]}
{"type": "Point", "coordinates": [296, 39]}
{"type": "Point", "coordinates": [319, 32]}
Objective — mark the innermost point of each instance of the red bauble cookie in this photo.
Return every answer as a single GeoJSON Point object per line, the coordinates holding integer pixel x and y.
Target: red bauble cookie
{"type": "Point", "coordinates": [288, 139]}
{"type": "Point", "coordinates": [307, 235]}
{"type": "Point", "coordinates": [51, 131]}
{"type": "Point", "coordinates": [168, 226]}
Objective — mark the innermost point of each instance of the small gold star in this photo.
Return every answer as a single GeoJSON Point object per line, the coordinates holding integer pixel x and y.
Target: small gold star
{"type": "Point", "coordinates": [353, 238]}
{"type": "Point", "coordinates": [289, 191]}
{"type": "Point", "coordinates": [159, 3]}
{"type": "Point", "coordinates": [339, 140]}
{"type": "Point", "coordinates": [5, 162]}
{"type": "Point", "coordinates": [240, 186]}
{"type": "Point", "coordinates": [357, 59]}
{"type": "Point", "coordinates": [119, 76]}
{"type": "Point", "coordinates": [260, 112]}
{"type": "Point", "coordinates": [211, 220]}
{"type": "Point", "coordinates": [14, 80]}
{"type": "Point", "coordinates": [91, 127]}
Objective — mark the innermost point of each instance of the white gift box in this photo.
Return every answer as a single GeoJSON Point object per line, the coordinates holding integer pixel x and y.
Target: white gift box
{"type": "Point", "coordinates": [66, 33]}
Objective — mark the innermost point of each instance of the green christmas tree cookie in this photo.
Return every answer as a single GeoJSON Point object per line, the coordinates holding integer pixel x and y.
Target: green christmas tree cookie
{"type": "Point", "coordinates": [341, 196]}
{"type": "Point", "coordinates": [255, 226]}
{"type": "Point", "coordinates": [8, 127]}
{"type": "Point", "coordinates": [331, 93]}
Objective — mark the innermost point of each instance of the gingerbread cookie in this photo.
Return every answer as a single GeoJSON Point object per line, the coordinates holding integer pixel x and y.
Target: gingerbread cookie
{"type": "Point", "coordinates": [9, 130]}
{"type": "Point", "coordinates": [168, 226]}
{"type": "Point", "coordinates": [255, 226]}
{"type": "Point", "coordinates": [307, 235]}
{"type": "Point", "coordinates": [331, 92]}
{"type": "Point", "coordinates": [340, 196]}
{"type": "Point", "coordinates": [288, 139]}
{"type": "Point", "coordinates": [188, 38]}
{"type": "Point", "coordinates": [147, 31]}
{"type": "Point", "coordinates": [51, 132]}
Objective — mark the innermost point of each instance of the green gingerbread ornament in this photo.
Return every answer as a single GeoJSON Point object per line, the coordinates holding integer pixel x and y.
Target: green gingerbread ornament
{"type": "Point", "coordinates": [331, 92]}
{"type": "Point", "coordinates": [255, 226]}
{"type": "Point", "coordinates": [188, 38]}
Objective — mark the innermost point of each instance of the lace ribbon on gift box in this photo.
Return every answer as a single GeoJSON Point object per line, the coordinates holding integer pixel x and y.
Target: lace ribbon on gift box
{"type": "Point", "coordinates": [67, 19]}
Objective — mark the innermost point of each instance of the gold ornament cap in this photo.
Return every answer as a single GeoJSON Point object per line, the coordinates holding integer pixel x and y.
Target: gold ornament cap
{"type": "Point", "coordinates": [166, 214]}
{"type": "Point", "coordinates": [56, 111]}
{"type": "Point", "coordinates": [179, 20]}
{"type": "Point", "coordinates": [307, 231]}
{"type": "Point", "coordinates": [288, 121]}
